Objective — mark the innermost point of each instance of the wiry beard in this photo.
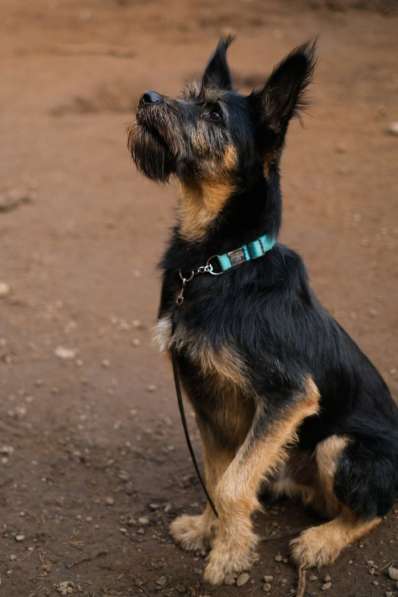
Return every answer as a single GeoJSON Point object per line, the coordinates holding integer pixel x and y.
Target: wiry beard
{"type": "Point", "coordinates": [150, 153]}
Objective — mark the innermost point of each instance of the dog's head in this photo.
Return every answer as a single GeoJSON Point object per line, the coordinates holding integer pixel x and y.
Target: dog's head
{"type": "Point", "coordinates": [212, 131]}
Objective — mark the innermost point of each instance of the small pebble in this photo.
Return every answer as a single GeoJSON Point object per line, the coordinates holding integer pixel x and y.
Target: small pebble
{"type": "Point", "coordinates": [162, 581]}
{"type": "Point", "coordinates": [6, 450]}
{"type": "Point", "coordinates": [124, 476]}
{"type": "Point", "coordinates": [109, 501]}
{"type": "Point", "coordinates": [278, 558]}
{"type": "Point", "coordinates": [14, 198]}
{"type": "Point", "coordinates": [268, 579]}
{"type": "Point", "coordinates": [19, 538]}
{"type": "Point", "coordinates": [393, 573]}
{"type": "Point", "coordinates": [151, 388]}
{"type": "Point", "coordinates": [5, 289]}
{"type": "Point", "coordinates": [327, 578]}
{"type": "Point", "coordinates": [392, 129]}
{"type": "Point", "coordinates": [65, 353]}
{"type": "Point", "coordinates": [65, 587]}
{"type": "Point", "coordinates": [326, 586]}
{"type": "Point", "coordinates": [242, 579]}
{"type": "Point", "coordinates": [143, 520]}
{"type": "Point", "coordinates": [267, 587]}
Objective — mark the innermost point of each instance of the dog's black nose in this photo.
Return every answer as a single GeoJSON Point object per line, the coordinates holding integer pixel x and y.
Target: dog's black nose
{"type": "Point", "coordinates": [151, 97]}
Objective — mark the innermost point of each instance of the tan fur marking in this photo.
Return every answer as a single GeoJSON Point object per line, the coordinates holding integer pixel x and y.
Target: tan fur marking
{"type": "Point", "coordinates": [200, 142]}
{"type": "Point", "coordinates": [226, 377]}
{"type": "Point", "coordinates": [311, 477]}
{"type": "Point", "coordinates": [236, 493]}
{"type": "Point", "coordinates": [260, 458]}
{"type": "Point", "coordinates": [321, 545]}
{"type": "Point", "coordinates": [196, 532]}
{"type": "Point", "coordinates": [266, 168]}
{"type": "Point", "coordinates": [230, 159]}
{"type": "Point", "coordinates": [297, 477]}
{"type": "Point", "coordinates": [193, 533]}
{"type": "Point", "coordinates": [199, 205]}
{"type": "Point", "coordinates": [224, 364]}
{"type": "Point", "coordinates": [327, 455]}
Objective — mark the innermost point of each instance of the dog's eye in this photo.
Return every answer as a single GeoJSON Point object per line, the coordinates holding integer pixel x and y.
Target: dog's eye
{"type": "Point", "coordinates": [213, 114]}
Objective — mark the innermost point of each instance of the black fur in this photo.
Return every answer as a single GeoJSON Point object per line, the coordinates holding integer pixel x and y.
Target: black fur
{"type": "Point", "coordinates": [266, 309]}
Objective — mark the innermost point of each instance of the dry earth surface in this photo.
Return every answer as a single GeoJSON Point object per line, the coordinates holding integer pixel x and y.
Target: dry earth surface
{"type": "Point", "coordinates": [93, 465]}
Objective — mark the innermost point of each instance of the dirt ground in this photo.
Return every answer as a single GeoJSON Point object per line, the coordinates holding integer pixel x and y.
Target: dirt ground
{"type": "Point", "coordinates": [93, 465]}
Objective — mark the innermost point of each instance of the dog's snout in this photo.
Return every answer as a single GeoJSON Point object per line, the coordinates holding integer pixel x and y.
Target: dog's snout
{"type": "Point", "coordinates": [151, 97]}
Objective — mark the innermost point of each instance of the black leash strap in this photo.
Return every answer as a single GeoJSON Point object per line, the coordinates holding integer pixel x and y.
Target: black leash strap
{"type": "Point", "coordinates": [186, 431]}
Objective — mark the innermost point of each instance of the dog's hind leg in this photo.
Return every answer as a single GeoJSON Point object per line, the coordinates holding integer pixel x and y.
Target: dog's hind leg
{"type": "Point", "coordinates": [321, 545]}
{"type": "Point", "coordinates": [195, 532]}
{"type": "Point", "coordinates": [263, 450]}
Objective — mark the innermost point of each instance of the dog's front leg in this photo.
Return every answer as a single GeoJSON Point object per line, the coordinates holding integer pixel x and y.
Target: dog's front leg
{"type": "Point", "coordinates": [195, 532]}
{"type": "Point", "coordinates": [263, 450]}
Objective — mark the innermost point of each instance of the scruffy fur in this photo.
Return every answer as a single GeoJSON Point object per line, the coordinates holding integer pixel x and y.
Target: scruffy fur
{"type": "Point", "coordinates": [281, 393]}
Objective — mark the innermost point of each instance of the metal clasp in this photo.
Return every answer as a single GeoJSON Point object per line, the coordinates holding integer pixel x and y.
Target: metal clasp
{"type": "Point", "coordinates": [209, 269]}
{"type": "Point", "coordinates": [185, 281]}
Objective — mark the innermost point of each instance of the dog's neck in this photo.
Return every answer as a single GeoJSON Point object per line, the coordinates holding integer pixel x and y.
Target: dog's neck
{"type": "Point", "coordinates": [217, 213]}
{"type": "Point", "coordinates": [219, 218]}
{"type": "Point", "coordinates": [199, 207]}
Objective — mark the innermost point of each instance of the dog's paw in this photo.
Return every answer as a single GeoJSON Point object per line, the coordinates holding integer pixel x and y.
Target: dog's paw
{"type": "Point", "coordinates": [228, 562]}
{"type": "Point", "coordinates": [315, 548]}
{"type": "Point", "coordinates": [193, 533]}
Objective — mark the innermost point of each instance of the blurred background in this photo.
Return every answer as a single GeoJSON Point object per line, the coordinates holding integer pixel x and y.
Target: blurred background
{"type": "Point", "coordinates": [92, 461]}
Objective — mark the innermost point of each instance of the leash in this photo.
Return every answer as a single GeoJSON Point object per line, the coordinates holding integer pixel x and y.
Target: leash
{"type": "Point", "coordinates": [181, 408]}
{"type": "Point", "coordinates": [223, 263]}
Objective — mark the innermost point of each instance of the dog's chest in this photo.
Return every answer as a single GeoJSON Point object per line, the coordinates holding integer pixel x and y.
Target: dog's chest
{"type": "Point", "coordinates": [216, 380]}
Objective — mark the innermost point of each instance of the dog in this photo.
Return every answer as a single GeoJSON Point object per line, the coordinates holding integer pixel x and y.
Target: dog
{"type": "Point", "coordinates": [281, 393]}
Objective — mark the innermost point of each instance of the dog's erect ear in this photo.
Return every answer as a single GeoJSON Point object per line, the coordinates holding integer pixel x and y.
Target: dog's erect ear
{"type": "Point", "coordinates": [217, 73]}
{"type": "Point", "coordinates": [283, 94]}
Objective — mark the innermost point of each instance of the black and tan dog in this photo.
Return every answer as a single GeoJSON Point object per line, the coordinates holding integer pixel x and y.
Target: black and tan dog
{"type": "Point", "coordinates": [281, 392]}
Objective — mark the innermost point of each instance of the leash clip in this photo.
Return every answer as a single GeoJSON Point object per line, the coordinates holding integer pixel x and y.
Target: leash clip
{"type": "Point", "coordinates": [185, 281]}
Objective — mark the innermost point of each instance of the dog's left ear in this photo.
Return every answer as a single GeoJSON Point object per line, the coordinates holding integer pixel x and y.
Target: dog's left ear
{"type": "Point", "coordinates": [283, 94]}
{"type": "Point", "coordinates": [217, 74]}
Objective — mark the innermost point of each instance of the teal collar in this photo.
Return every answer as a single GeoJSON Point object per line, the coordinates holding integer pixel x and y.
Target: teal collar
{"type": "Point", "coordinates": [219, 264]}
{"type": "Point", "coordinates": [253, 250]}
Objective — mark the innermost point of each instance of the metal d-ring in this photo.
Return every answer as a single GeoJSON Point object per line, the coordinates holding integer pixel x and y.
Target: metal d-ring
{"type": "Point", "coordinates": [209, 268]}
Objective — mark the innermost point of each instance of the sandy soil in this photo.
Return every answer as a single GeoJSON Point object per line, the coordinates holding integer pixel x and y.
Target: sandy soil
{"type": "Point", "coordinates": [92, 461]}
